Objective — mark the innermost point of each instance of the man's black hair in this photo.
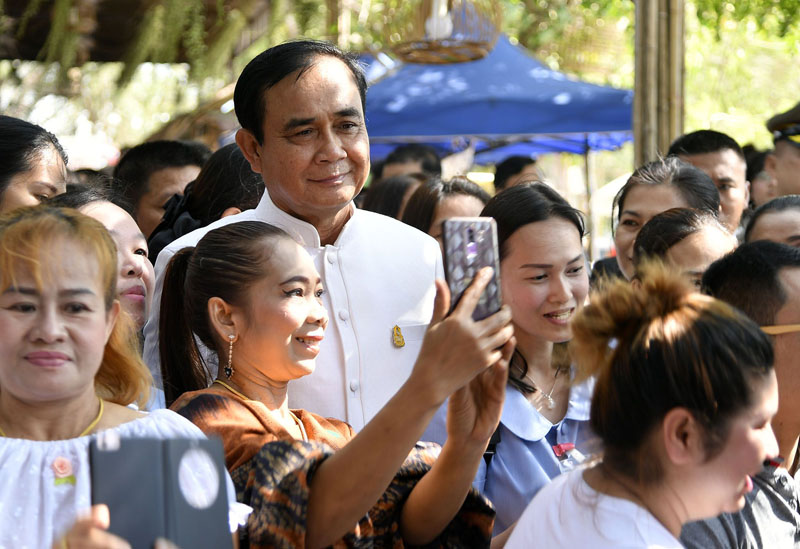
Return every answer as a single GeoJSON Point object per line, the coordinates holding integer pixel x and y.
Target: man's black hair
{"type": "Point", "coordinates": [416, 152]}
{"type": "Point", "coordinates": [747, 278]}
{"type": "Point", "coordinates": [136, 166]}
{"type": "Point", "coordinates": [273, 65]}
{"type": "Point", "coordinates": [702, 142]}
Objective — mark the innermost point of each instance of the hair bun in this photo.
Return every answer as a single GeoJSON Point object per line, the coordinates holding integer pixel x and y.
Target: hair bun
{"type": "Point", "coordinates": [619, 311]}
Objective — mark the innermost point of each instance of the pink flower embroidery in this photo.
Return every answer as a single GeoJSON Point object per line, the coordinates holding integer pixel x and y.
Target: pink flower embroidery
{"type": "Point", "coordinates": [62, 468]}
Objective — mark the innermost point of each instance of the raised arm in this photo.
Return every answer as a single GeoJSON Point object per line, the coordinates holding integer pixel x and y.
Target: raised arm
{"type": "Point", "coordinates": [454, 351]}
{"type": "Point", "coordinates": [473, 413]}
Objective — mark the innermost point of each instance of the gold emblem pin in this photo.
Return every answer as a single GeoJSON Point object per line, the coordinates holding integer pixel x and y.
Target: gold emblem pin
{"type": "Point", "coordinates": [397, 337]}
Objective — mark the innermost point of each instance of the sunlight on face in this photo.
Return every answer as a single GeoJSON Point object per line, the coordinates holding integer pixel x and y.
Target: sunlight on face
{"type": "Point", "coordinates": [544, 279]}
{"type": "Point", "coordinates": [53, 338]}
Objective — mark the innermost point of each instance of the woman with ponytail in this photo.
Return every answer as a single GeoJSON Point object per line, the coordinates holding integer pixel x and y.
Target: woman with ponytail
{"type": "Point", "coordinates": [684, 395]}
{"type": "Point", "coordinates": [252, 293]}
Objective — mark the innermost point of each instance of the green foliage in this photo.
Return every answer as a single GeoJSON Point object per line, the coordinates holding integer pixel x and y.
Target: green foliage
{"type": "Point", "coordinates": [774, 17]}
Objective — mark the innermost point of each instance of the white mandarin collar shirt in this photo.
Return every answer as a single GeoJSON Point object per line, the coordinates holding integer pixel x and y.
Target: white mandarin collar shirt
{"type": "Point", "coordinates": [378, 275]}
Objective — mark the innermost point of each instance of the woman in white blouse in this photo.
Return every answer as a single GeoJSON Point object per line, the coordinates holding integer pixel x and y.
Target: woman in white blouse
{"type": "Point", "coordinates": [69, 368]}
{"type": "Point", "coordinates": [684, 394]}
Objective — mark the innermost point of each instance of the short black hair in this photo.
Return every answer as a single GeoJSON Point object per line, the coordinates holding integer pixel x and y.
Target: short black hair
{"type": "Point", "coordinates": [273, 65]}
{"type": "Point", "coordinates": [20, 144]}
{"type": "Point", "coordinates": [416, 152]}
{"type": "Point", "coordinates": [747, 278]}
{"type": "Point", "coordinates": [510, 167]}
{"type": "Point", "coordinates": [702, 142]}
{"type": "Point", "coordinates": [136, 166]}
{"type": "Point", "coordinates": [779, 204]}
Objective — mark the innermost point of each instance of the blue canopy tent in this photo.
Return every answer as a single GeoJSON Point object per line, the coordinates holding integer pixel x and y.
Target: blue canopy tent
{"type": "Point", "coordinates": [508, 97]}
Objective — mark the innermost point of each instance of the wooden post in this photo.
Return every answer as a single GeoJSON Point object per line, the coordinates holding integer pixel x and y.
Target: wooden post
{"type": "Point", "coordinates": [591, 222]}
{"type": "Point", "coordinates": [658, 85]}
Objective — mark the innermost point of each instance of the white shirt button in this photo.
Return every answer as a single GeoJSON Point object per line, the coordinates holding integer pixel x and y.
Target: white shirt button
{"type": "Point", "coordinates": [344, 315]}
{"type": "Point", "coordinates": [331, 258]}
{"type": "Point", "coordinates": [354, 385]}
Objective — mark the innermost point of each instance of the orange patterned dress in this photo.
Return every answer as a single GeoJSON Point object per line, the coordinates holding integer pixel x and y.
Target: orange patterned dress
{"type": "Point", "coordinates": [272, 473]}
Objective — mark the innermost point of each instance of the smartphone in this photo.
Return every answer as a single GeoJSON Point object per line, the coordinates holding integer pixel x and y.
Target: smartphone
{"type": "Point", "coordinates": [174, 489]}
{"type": "Point", "coordinates": [470, 243]}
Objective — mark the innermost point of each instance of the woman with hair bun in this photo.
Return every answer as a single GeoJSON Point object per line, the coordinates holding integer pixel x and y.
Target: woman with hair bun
{"type": "Point", "coordinates": [684, 395]}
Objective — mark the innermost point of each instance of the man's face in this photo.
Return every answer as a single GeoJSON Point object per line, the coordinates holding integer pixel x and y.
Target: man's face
{"type": "Point", "coordinates": [161, 185]}
{"type": "Point", "coordinates": [784, 166]}
{"type": "Point", "coordinates": [315, 155]}
{"type": "Point", "coordinates": [728, 171]}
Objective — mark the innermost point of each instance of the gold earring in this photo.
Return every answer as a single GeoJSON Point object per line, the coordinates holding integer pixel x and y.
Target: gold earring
{"type": "Point", "coordinates": [229, 368]}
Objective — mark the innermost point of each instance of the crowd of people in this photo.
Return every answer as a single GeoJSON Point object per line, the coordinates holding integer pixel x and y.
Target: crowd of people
{"type": "Point", "coordinates": [643, 401]}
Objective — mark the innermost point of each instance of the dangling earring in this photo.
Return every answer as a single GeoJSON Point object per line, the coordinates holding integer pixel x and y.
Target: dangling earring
{"type": "Point", "coordinates": [229, 368]}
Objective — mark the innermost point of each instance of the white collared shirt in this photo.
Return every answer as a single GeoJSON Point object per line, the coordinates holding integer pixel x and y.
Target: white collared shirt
{"type": "Point", "coordinates": [377, 275]}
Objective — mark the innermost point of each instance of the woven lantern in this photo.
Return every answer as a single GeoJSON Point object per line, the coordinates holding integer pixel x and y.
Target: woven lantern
{"type": "Point", "coordinates": [441, 31]}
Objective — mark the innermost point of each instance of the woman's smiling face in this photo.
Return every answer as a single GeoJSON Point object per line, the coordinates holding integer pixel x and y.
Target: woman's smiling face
{"type": "Point", "coordinates": [283, 321]}
{"type": "Point", "coordinates": [544, 278]}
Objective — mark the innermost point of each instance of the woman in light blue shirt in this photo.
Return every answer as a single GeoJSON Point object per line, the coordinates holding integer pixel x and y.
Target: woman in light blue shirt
{"type": "Point", "coordinates": [544, 426]}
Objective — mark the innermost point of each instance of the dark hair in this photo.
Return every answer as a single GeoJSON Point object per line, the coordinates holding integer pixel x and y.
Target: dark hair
{"type": "Point", "coordinates": [755, 161]}
{"type": "Point", "coordinates": [513, 208]}
{"type": "Point", "coordinates": [273, 65]}
{"type": "Point", "coordinates": [415, 152]}
{"type": "Point", "coordinates": [421, 207]}
{"type": "Point", "coordinates": [747, 278]}
{"type": "Point", "coordinates": [528, 203]}
{"type": "Point", "coordinates": [225, 181]}
{"type": "Point", "coordinates": [693, 184]}
{"type": "Point", "coordinates": [21, 143]}
{"type": "Point", "coordinates": [225, 263]}
{"type": "Point", "coordinates": [140, 162]}
{"type": "Point", "coordinates": [702, 142]}
{"type": "Point", "coordinates": [658, 346]}
{"type": "Point", "coordinates": [385, 196]}
{"type": "Point", "coordinates": [510, 167]}
{"type": "Point", "coordinates": [669, 228]}
{"type": "Point", "coordinates": [780, 204]}
{"type": "Point", "coordinates": [78, 196]}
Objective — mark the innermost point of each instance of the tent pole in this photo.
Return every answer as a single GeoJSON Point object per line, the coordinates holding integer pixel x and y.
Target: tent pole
{"type": "Point", "coordinates": [589, 182]}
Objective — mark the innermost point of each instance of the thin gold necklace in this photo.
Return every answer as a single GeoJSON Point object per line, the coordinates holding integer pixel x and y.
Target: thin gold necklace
{"type": "Point", "coordinates": [88, 429]}
{"type": "Point", "coordinates": [245, 397]}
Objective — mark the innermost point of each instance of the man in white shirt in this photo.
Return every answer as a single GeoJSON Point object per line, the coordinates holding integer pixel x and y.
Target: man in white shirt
{"type": "Point", "coordinates": [301, 107]}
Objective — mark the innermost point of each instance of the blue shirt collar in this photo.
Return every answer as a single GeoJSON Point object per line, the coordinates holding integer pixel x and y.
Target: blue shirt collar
{"type": "Point", "coordinates": [521, 418]}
